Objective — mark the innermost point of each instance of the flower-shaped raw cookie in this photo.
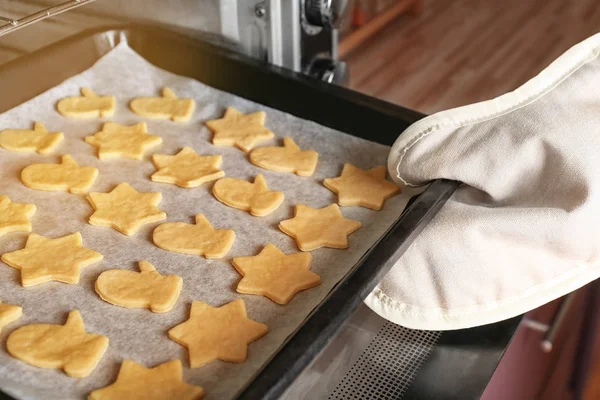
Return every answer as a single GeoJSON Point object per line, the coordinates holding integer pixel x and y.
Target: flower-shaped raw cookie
{"type": "Point", "coordinates": [186, 169]}
{"type": "Point", "coordinates": [43, 259]}
{"type": "Point", "coordinates": [221, 333]}
{"type": "Point", "coordinates": [122, 141]}
{"type": "Point", "coordinates": [88, 105]}
{"type": "Point", "coordinates": [136, 382]}
{"type": "Point", "coordinates": [65, 346]}
{"type": "Point", "coordinates": [199, 239]}
{"type": "Point", "coordinates": [243, 131]}
{"type": "Point", "coordinates": [274, 274]}
{"type": "Point", "coordinates": [64, 176]}
{"type": "Point", "coordinates": [322, 227]}
{"type": "Point", "coordinates": [26, 140]}
{"type": "Point", "coordinates": [125, 209]}
{"type": "Point", "coordinates": [357, 187]}
{"type": "Point", "coordinates": [14, 217]}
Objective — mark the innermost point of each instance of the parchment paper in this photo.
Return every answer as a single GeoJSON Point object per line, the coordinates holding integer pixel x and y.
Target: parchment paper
{"type": "Point", "coordinates": [139, 334]}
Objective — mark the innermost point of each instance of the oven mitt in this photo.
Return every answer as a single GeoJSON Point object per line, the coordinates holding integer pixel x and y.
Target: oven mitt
{"type": "Point", "coordinates": [524, 227]}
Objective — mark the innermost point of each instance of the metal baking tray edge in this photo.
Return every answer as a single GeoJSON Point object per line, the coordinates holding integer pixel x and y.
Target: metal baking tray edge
{"type": "Point", "coordinates": [333, 106]}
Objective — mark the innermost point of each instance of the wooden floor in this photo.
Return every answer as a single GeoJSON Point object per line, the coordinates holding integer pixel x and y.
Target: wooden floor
{"type": "Point", "coordinates": [463, 51]}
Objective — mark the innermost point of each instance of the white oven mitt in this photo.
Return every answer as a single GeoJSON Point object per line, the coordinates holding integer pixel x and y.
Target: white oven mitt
{"type": "Point", "coordinates": [524, 228]}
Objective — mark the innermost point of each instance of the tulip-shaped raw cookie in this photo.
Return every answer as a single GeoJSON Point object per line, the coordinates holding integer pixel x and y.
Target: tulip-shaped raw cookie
{"type": "Point", "coordinates": [274, 274]}
{"type": "Point", "coordinates": [222, 333]}
{"type": "Point", "coordinates": [37, 139]}
{"type": "Point", "coordinates": [65, 346]}
{"type": "Point", "coordinates": [289, 158]}
{"type": "Point", "coordinates": [15, 217]}
{"type": "Point", "coordinates": [88, 105]}
{"type": "Point", "coordinates": [253, 197]}
{"type": "Point", "coordinates": [64, 176]}
{"type": "Point", "coordinates": [243, 131]}
{"type": "Point", "coordinates": [144, 289]}
{"type": "Point", "coordinates": [136, 382]}
{"type": "Point", "coordinates": [125, 209]}
{"type": "Point", "coordinates": [358, 187]}
{"type": "Point", "coordinates": [8, 314]}
{"type": "Point", "coordinates": [43, 259]}
{"type": "Point", "coordinates": [319, 227]}
{"type": "Point", "coordinates": [122, 141]}
{"type": "Point", "coordinates": [199, 239]}
{"type": "Point", "coordinates": [187, 168]}
{"type": "Point", "coordinates": [166, 107]}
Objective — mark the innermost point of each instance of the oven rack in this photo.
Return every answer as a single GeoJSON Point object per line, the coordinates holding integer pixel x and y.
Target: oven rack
{"type": "Point", "coordinates": [8, 25]}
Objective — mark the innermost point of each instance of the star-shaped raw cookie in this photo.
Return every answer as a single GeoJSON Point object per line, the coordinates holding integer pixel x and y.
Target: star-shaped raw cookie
{"type": "Point", "coordinates": [357, 187]}
{"type": "Point", "coordinates": [25, 140]}
{"type": "Point", "coordinates": [199, 239]}
{"type": "Point", "coordinates": [122, 141]}
{"type": "Point", "coordinates": [125, 209]}
{"type": "Point", "coordinates": [65, 346]}
{"type": "Point", "coordinates": [144, 289]}
{"type": "Point", "coordinates": [64, 176]}
{"type": "Point", "coordinates": [136, 382]}
{"type": "Point", "coordinates": [321, 227]}
{"type": "Point", "coordinates": [186, 169]}
{"type": "Point", "coordinates": [8, 314]}
{"type": "Point", "coordinates": [289, 158]}
{"type": "Point", "coordinates": [88, 105]}
{"type": "Point", "coordinates": [14, 217]}
{"type": "Point", "coordinates": [43, 259]}
{"type": "Point", "coordinates": [254, 197]}
{"type": "Point", "coordinates": [243, 131]}
{"type": "Point", "coordinates": [166, 107]}
{"type": "Point", "coordinates": [221, 333]}
{"type": "Point", "coordinates": [274, 274]}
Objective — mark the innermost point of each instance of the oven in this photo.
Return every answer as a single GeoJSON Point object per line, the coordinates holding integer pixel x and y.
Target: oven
{"type": "Point", "coordinates": [283, 55]}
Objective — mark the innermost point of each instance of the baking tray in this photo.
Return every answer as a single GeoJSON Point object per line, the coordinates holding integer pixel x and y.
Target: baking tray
{"type": "Point", "coordinates": [294, 93]}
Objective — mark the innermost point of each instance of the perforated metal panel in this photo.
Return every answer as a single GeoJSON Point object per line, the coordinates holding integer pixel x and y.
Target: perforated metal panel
{"type": "Point", "coordinates": [388, 365]}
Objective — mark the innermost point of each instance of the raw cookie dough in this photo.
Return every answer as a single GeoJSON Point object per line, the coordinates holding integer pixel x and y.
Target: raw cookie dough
{"type": "Point", "coordinates": [8, 314]}
{"type": "Point", "coordinates": [14, 217]}
{"type": "Point", "coordinates": [88, 105]}
{"type": "Point", "coordinates": [186, 169]}
{"type": "Point", "coordinates": [166, 107]}
{"type": "Point", "coordinates": [122, 141]}
{"type": "Point", "coordinates": [319, 227]}
{"type": "Point", "coordinates": [27, 140]}
{"type": "Point", "coordinates": [64, 176]}
{"type": "Point", "coordinates": [288, 158]}
{"type": "Point", "coordinates": [125, 209]}
{"type": "Point", "coordinates": [243, 131]}
{"type": "Point", "coordinates": [217, 333]}
{"type": "Point", "coordinates": [199, 239]}
{"type": "Point", "coordinates": [144, 289]}
{"type": "Point", "coordinates": [357, 187]}
{"type": "Point", "coordinates": [136, 382]}
{"type": "Point", "coordinates": [274, 274]}
{"type": "Point", "coordinates": [58, 346]}
{"type": "Point", "coordinates": [254, 197]}
{"type": "Point", "coordinates": [43, 260]}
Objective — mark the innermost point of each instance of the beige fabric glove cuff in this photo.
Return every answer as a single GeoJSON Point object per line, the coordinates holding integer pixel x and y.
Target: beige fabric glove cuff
{"type": "Point", "coordinates": [524, 228]}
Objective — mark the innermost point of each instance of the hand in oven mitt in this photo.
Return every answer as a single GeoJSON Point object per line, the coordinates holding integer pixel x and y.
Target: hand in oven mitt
{"type": "Point", "coordinates": [524, 227]}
